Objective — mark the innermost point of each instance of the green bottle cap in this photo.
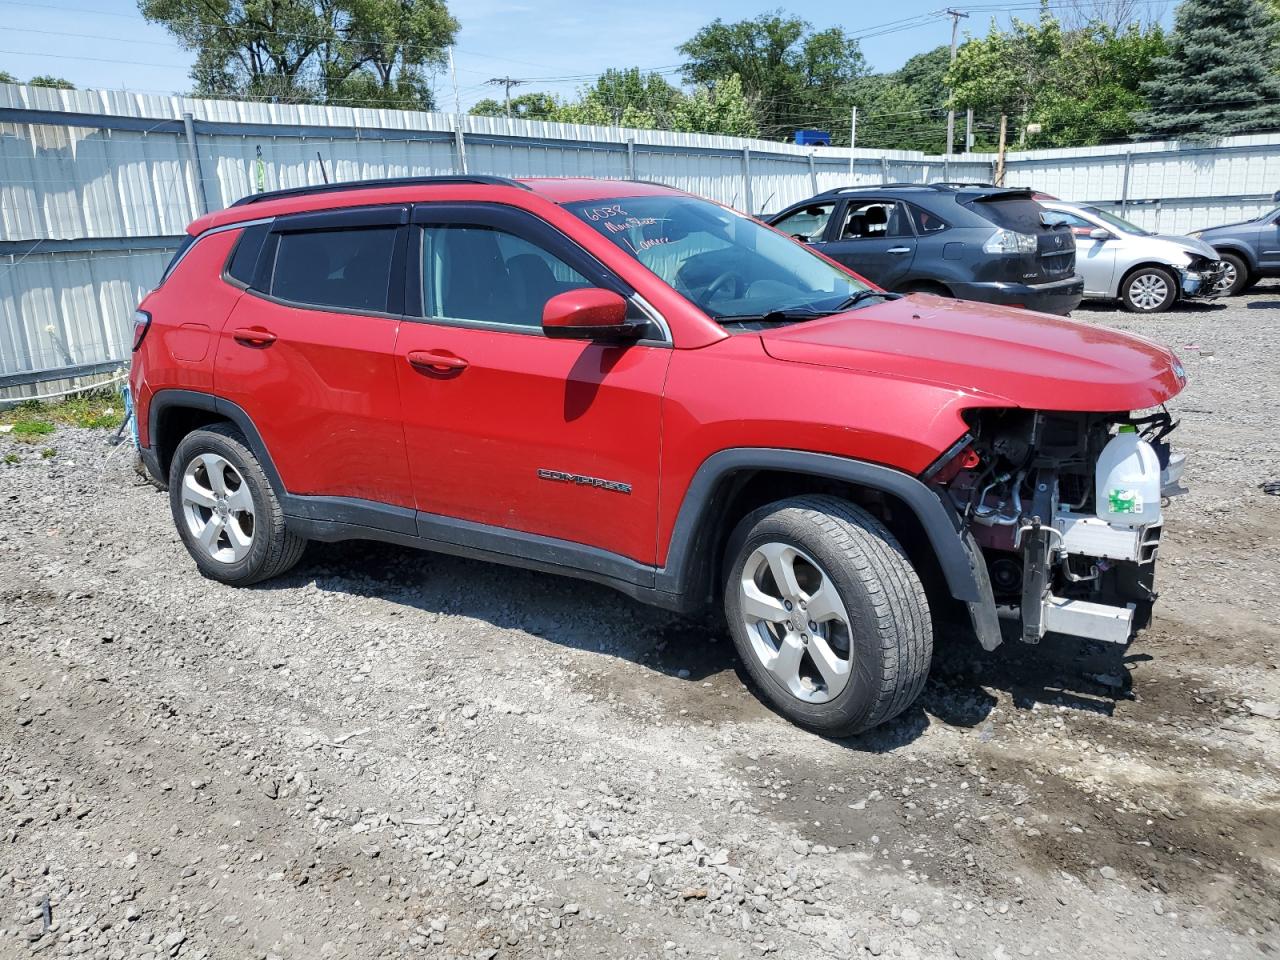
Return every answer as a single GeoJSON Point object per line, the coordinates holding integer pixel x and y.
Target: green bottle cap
{"type": "Point", "coordinates": [1127, 428]}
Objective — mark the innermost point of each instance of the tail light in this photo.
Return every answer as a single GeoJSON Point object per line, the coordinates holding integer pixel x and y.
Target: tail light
{"type": "Point", "coordinates": [141, 324]}
{"type": "Point", "coordinates": [1010, 241]}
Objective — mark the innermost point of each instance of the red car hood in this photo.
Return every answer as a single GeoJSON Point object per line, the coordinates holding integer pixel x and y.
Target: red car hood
{"type": "Point", "coordinates": [1025, 359]}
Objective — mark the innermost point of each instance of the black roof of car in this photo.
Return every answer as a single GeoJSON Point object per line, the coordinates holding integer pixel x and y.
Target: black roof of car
{"type": "Point", "coordinates": [949, 186]}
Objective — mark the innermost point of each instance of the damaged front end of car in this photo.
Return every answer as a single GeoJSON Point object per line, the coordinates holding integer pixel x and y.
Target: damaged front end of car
{"type": "Point", "coordinates": [1025, 486]}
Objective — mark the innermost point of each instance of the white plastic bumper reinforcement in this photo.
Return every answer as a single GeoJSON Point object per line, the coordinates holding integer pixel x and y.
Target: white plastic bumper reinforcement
{"type": "Point", "coordinates": [1080, 618]}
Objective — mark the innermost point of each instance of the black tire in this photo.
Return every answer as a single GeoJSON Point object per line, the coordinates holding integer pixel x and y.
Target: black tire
{"type": "Point", "coordinates": [1242, 279]}
{"type": "Point", "coordinates": [927, 286]}
{"type": "Point", "coordinates": [1136, 290]}
{"type": "Point", "coordinates": [890, 634]}
{"type": "Point", "coordinates": [272, 549]}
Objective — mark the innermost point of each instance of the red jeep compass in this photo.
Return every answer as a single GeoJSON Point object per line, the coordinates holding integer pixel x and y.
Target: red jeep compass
{"type": "Point", "coordinates": [622, 382]}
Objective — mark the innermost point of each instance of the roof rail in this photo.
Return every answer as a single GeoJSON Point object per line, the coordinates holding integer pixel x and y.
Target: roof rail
{"type": "Point", "coordinates": [933, 185]}
{"type": "Point", "coordinates": [376, 184]}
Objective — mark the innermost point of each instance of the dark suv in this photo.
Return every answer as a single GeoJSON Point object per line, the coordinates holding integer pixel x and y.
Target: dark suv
{"type": "Point", "coordinates": [1250, 250]}
{"type": "Point", "coordinates": [969, 241]}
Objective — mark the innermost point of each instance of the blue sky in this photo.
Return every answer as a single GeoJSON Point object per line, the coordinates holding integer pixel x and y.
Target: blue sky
{"type": "Point", "coordinates": [556, 44]}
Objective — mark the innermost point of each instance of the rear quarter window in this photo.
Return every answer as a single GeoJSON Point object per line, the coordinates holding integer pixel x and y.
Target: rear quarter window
{"type": "Point", "coordinates": [244, 258]}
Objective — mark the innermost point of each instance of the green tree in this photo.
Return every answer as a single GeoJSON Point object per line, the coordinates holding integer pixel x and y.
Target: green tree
{"type": "Point", "coordinates": [1219, 77]}
{"type": "Point", "coordinates": [723, 108]}
{"type": "Point", "coordinates": [6, 77]}
{"type": "Point", "coordinates": [1099, 93]}
{"type": "Point", "coordinates": [1004, 71]}
{"type": "Point", "coordinates": [45, 80]}
{"type": "Point", "coordinates": [527, 106]}
{"type": "Point", "coordinates": [359, 52]}
{"type": "Point", "coordinates": [794, 77]}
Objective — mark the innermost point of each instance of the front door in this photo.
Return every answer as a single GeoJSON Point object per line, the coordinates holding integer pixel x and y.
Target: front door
{"type": "Point", "coordinates": [504, 426]}
{"type": "Point", "coordinates": [309, 353]}
{"type": "Point", "coordinates": [873, 238]}
{"type": "Point", "coordinates": [1269, 245]}
{"type": "Point", "coordinates": [1095, 259]}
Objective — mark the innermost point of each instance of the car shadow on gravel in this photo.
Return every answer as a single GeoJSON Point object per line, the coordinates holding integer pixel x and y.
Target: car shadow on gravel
{"type": "Point", "coordinates": [1182, 306]}
{"type": "Point", "coordinates": [1079, 675]}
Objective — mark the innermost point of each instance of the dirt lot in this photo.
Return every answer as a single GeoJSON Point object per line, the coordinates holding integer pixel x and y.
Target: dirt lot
{"type": "Point", "coordinates": [390, 753]}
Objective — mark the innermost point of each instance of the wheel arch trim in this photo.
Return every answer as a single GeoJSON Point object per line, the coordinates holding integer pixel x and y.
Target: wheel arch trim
{"type": "Point", "coordinates": [940, 524]}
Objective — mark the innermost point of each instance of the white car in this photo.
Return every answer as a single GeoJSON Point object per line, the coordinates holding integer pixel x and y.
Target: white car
{"type": "Point", "coordinates": [1146, 272]}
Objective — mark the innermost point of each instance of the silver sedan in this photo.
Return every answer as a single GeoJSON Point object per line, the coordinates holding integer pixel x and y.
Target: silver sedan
{"type": "Point", "coordinates": [1148, 273]}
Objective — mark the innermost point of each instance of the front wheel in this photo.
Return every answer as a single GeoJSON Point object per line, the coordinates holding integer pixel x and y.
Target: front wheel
{"type": "Point", "coordinates": [226, 512]}
{"type": "Point", "coordinates": [1149, 290]}
{"type": "Point", "coordinates": [827, 614]}
{"type": "Point", "coordinates": [1235, 276]}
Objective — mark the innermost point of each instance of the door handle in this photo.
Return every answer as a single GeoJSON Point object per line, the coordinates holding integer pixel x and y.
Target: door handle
{"type": "Point", "coordinates": [898, 250]}
{"type": "Point", "coordinates": [254, 337]}
{"type": "Point", "coordinates": [434, 361]}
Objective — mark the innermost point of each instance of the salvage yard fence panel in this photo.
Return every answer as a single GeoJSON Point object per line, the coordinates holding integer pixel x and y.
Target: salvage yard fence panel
{"type": "Point", "coordinates": [97, 187]}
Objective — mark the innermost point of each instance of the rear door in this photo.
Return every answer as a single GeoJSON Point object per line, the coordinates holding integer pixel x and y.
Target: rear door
{"type": "Point", "coordinates": [309, 353]}
{"type": "Point", "coordinates": [875, 238]}
{"type": "Point", "coordinates": [506, 427]}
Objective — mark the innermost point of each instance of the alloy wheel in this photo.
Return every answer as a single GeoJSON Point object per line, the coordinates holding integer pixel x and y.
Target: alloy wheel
{"type": "Point", "coordinates": [218, 507]}
{"type": "Point", "coordinates": [1228, 279]}
{"type": "Point", "coordinates": [796, 621]}
{"type": "Point", "coordinates": [1149, 291]}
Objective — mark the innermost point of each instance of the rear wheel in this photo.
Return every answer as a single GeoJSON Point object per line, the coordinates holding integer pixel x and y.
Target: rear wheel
{"type": "Point", "coordinates": [827, 614]}
{"type": "Point", "coordinates": [1149, 290]}
{"type": "Point", "coordinates": [1236, 277]}
{"type": "Point", "coordinates": [228, 516]}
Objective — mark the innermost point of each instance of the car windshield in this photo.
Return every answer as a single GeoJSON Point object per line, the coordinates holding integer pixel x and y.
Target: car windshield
{"type": "Point", "coordinates": [734, 268]}
{"type": "Point", "coordinates": [1118, 223]}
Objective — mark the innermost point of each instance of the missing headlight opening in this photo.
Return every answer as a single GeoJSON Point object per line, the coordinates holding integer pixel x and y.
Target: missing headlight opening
{"type": "Point", "coordinates": [1067, 510]}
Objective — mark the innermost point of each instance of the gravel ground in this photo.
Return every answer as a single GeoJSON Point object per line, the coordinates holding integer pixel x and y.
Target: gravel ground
{"type": "Point", "coordinates": [389, 753]}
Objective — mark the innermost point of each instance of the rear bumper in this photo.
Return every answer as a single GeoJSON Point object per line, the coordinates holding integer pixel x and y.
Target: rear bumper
{"type": "Point", "coordinates": [1060, 296]}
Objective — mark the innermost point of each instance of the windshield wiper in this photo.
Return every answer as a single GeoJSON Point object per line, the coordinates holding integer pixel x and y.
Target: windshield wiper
{"type": "Point", "coordinates": [786, 315]}
{"type": "Point", "coordinates": [861, 295]}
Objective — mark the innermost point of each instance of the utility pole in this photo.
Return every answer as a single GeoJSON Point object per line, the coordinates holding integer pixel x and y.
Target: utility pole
{"type": "Point", "coordinates": [506, 83]}
{"type": "Point", "coordinates": [956, 17]}
{"type": "Point", "coordinates": [453, 76]}
{"type": "Point", "coordinates": [853, 136]}
{"type": "Point", "coordinates": [1004, 130]}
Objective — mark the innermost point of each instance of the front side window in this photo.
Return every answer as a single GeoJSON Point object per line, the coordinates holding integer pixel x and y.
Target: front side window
{"type": "Point", "coordinates": [340, 269]}
{"type": "Point", "coordinates": [478, 273]}
{"type": "Point", "coordinates": [732, 267]}
{"type": "Point", "coordinates": [875, 221]}
{"type": "Point", "coordinates": [808, 223]}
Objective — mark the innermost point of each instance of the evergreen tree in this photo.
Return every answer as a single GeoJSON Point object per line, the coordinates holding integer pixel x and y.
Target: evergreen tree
{"type": "Point", "coordinates": [1219, 77]}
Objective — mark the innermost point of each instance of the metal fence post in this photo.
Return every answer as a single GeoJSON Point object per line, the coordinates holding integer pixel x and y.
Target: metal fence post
{"type": "Point", "coordinates": [202, 198]}
{"type": "Point", "coordinates": [884, 169]}
{"type": "Point", "coordinates": [460, 144]}
{"type": "Point", "coordinates": [631, 158]}
{"type": "Point", "coordinates": [813, 173]}
{"type": "Point", "coordinates": [746, 179]}
{"type": "Point", "coordinates": [1124, 187]}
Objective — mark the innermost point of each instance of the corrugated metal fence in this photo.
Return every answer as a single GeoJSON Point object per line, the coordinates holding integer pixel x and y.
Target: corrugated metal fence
{"type": "Point", "coordinates": [96, 188]}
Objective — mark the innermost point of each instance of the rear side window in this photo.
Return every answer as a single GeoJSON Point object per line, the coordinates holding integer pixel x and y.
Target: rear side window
{"type": "Point", "coordinates": [342, 269]}
{"type": "Point", "coordinates": [244, 258]}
